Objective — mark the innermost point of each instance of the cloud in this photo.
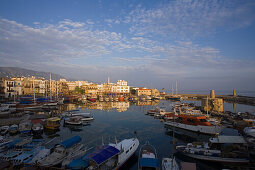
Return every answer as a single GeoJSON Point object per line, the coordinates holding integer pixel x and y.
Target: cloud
{"type": "Point", "coordinates": [187, 19]}
{"type": "Point", "coordinates": [78, 50]}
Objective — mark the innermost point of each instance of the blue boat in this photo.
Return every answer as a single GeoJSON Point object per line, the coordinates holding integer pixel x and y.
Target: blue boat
{"type": "Point", "coordinates": [111, 156]}
{"type": "Point", "coordinates": [61, 151]}
{"type": "Point", "coordinates": [27, 155]}
{"type": "Point", "coordinates": [148, 158]}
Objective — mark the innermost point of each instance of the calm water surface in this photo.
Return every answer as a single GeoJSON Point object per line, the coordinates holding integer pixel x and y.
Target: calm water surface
{"type": "Point", "coordinates": [110, 124]}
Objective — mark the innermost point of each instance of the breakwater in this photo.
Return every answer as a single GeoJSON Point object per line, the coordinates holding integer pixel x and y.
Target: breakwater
{"type": "Point", "coordinates": [227, 98]}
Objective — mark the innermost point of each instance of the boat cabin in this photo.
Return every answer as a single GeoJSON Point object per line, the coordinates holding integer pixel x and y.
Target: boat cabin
{"type": "Point", "coordinates": [192, 120]}
{"type": "Point", "coordinates": [52, 123]}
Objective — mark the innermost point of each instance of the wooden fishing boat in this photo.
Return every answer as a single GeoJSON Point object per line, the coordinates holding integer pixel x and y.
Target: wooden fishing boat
{"type": "Point", "coordinates": [52, 123]}
{"type": "Point", "coordinates": [148, 158]}
{"type": "Point", "coordinates": [13, 129]}
{"type": "Point", "coordinates": [169, 164]}
{"type": "Point", "coordinates": [73, 120]}
{"type": "Point", "coordinates": [4, 130]}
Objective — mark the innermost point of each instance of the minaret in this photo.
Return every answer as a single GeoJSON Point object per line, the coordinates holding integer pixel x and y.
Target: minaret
{"type": "Point", "coordinates": [108, 80]}
{"type": "Point", "coordinates": [212, 95]}
{"type": "Point", "coordinates": [234, 93]}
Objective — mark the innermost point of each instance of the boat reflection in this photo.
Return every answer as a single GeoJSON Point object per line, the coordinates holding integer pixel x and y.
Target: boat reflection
{"type": "Point", "coordinates": [185, 135]}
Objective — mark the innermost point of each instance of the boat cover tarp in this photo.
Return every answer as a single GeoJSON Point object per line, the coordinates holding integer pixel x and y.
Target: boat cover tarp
{"type": "Point", "coordinates": [71, 141]}
{"type": "Point", "coordinates": [231, 139]}
{"type": "Point", "coordinates": [104, 153]}
{"type": "Point", "coordinates": [79, 163]}
{"type": "Point", "coordinates": [148, 162]}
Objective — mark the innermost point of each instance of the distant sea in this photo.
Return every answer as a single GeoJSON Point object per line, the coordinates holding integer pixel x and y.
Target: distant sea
{"type": "Point", "coordinates": [218, 92]}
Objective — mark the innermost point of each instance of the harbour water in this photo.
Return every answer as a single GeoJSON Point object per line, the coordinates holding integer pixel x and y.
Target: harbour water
{"type": "Point", "coordinates": [112, 124]}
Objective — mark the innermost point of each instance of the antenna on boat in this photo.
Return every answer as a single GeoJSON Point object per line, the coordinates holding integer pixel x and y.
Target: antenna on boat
{"type": "Point", "coordinates": [116, 140]}
{"type": "Point", "coordinates": [102, 140]}
{"type": "Point", "coordinates": [135, 133]}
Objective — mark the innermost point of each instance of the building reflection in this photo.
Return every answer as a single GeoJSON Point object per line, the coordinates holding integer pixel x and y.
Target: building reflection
{"type": "Point", "coordinates": [120, 106]}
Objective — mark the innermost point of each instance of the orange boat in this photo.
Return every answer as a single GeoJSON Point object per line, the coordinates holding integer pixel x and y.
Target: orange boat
{"type": "Point", "coordinates": [195, 123]}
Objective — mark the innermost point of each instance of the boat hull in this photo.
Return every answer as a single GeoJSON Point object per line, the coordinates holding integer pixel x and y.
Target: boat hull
{"type": "Point", "coordinates": [212, 130]}
{"type": "Point", "coordinates": [216, 159]}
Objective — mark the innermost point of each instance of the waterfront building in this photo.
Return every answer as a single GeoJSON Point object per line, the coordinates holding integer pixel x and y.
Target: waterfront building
{"type": "Point", "coordinates": [71, 85]}
{"type": "Point", "coordinates": [31, 85]}
{"type": "Point", "coordinates": [212, 103]}
{"type": "Point", "coordinates": [2, 93]}
{"type": "Point", "coordinates": [9, 88]}
{"type": "Point", "coordinates": [121, 88]}
{"type": "Point", "coordinates": [143, 92]}
{"type": "Point", "coordinates": [91, 89]}
{"type": "Point", "coordinates": [155, 92]}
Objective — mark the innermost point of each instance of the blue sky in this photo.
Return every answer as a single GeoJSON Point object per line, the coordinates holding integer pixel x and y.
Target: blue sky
{"type": "Point", "coordinates": [204, 44]}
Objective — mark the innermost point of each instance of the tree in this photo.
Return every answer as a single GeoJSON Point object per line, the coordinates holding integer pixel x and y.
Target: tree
{"type": "Point", "coordinates": [79, 90]}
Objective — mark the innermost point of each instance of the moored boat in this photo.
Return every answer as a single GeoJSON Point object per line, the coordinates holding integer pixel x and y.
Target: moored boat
{"type": "Point", "coordinates": [13, 129]}
{"type": "Point", "coordinates": [52, 123]}
{"type": "Point", "coordinates": [111, 156]}
{"type": "Point", "coordinates": [196, 123]}
{"type": "Point", "coordinates": [221, 149]}
{"type": "Point", "coordinates": [169, 164]}
{"type": "Point", "coordinates": [61, 151]}
{"type": "Point", "coordinates": [148, 158]}
{"type": "Point", "coordinates": [73, 120]}
{"type": "Point", "coordinates": [4, 130]}
{"type": "Point", "coordinates": [37, 129]}
{"type": "Point", "coordinates": [25, 126]}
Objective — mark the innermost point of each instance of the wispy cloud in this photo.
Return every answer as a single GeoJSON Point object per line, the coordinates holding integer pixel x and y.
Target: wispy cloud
{"type": "Point", "coordinates": [190, 18]}
{"type": "Point", "coordinates": [77, 50]}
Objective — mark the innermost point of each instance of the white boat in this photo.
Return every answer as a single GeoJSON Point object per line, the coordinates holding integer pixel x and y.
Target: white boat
{"type": "Point", "coordinates": [113, 156]}
{"type": "Point", "coordinates": [61, 151]}
{"type": "Point", "coordinates": [169, 164]}
{"type": "Point", "coordinates": [50, 104]}
{"type": "Point", "coordinates": [5, 113]}
{"type": "Point", "coordinates": [37, 129]}
{"type": "Point", "coordinates": [74, 120]}
{"type": "Point", "coordinates": [249, 131]}
{"type": "Point", "coordinates": [4, 108]}
{"type": "Point", "coordinates": [13, 129]}
{"type": "Point", "coordinates": [40, 155]}
{"type": "Point", "coordinates": [4, 130]}
{"type": "Point", "coordinates": [195, 123]}
{"type": "Point", "coordinates": [25, 126]}
{"type": "Point", "coordinates": [72, 156]}
{"type": "Point", "coordinates": [227, 154]}
{"type": "Point", "coordinates": [61, 100]}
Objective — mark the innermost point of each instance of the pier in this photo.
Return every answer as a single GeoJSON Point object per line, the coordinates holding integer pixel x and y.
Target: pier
{"type": "Point", "coordinates": [227, 98]}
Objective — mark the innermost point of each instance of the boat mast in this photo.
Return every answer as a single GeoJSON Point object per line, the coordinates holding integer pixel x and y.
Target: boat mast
{"type": "Point", "coordinates": [50, 86]}
{"type": "Point", "coordinates": [172, 90]}
{"type": "Point", "coordinates": [207, 105]}
{"type": "Point", "coordinates": [176, 88]}
{"type": "Point", "coordinates": [57, 91]}
{"type": "Point", "coordinates": [33, 88]}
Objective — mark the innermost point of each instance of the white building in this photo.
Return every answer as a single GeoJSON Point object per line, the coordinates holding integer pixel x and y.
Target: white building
{"type": "Point", "coordinates": [120, 87]}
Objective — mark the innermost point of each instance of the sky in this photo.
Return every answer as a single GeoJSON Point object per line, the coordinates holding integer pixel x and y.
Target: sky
{"type": "Point", "coordinates": [201, 44]}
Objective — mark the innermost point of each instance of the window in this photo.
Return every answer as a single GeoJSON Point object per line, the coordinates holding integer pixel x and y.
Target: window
{"type": "Point", "coordinates": [203, 120]}
{"type": "Point", "coordinates": [127, 151]}
{"type": "Point", "coordinates": [190, 120]}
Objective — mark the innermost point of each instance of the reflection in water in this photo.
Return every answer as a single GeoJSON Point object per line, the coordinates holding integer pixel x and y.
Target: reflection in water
{"type": "Point", "coordinates": [108, 106]}
{"type": "Point", "coordinates": [119, 120]}
{"type": "Point", "coordinates": [185, 135]}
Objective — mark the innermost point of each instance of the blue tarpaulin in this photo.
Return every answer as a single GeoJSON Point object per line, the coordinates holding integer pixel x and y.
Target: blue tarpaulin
{"type": "Point", "coordinates": [71, 141]}
{"type": "Point", "coordinates": [79, 163]}
{"type": "Point", "coordinates": [148, 162]}
{"type": "Point", "coordinates": [104, 153]}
